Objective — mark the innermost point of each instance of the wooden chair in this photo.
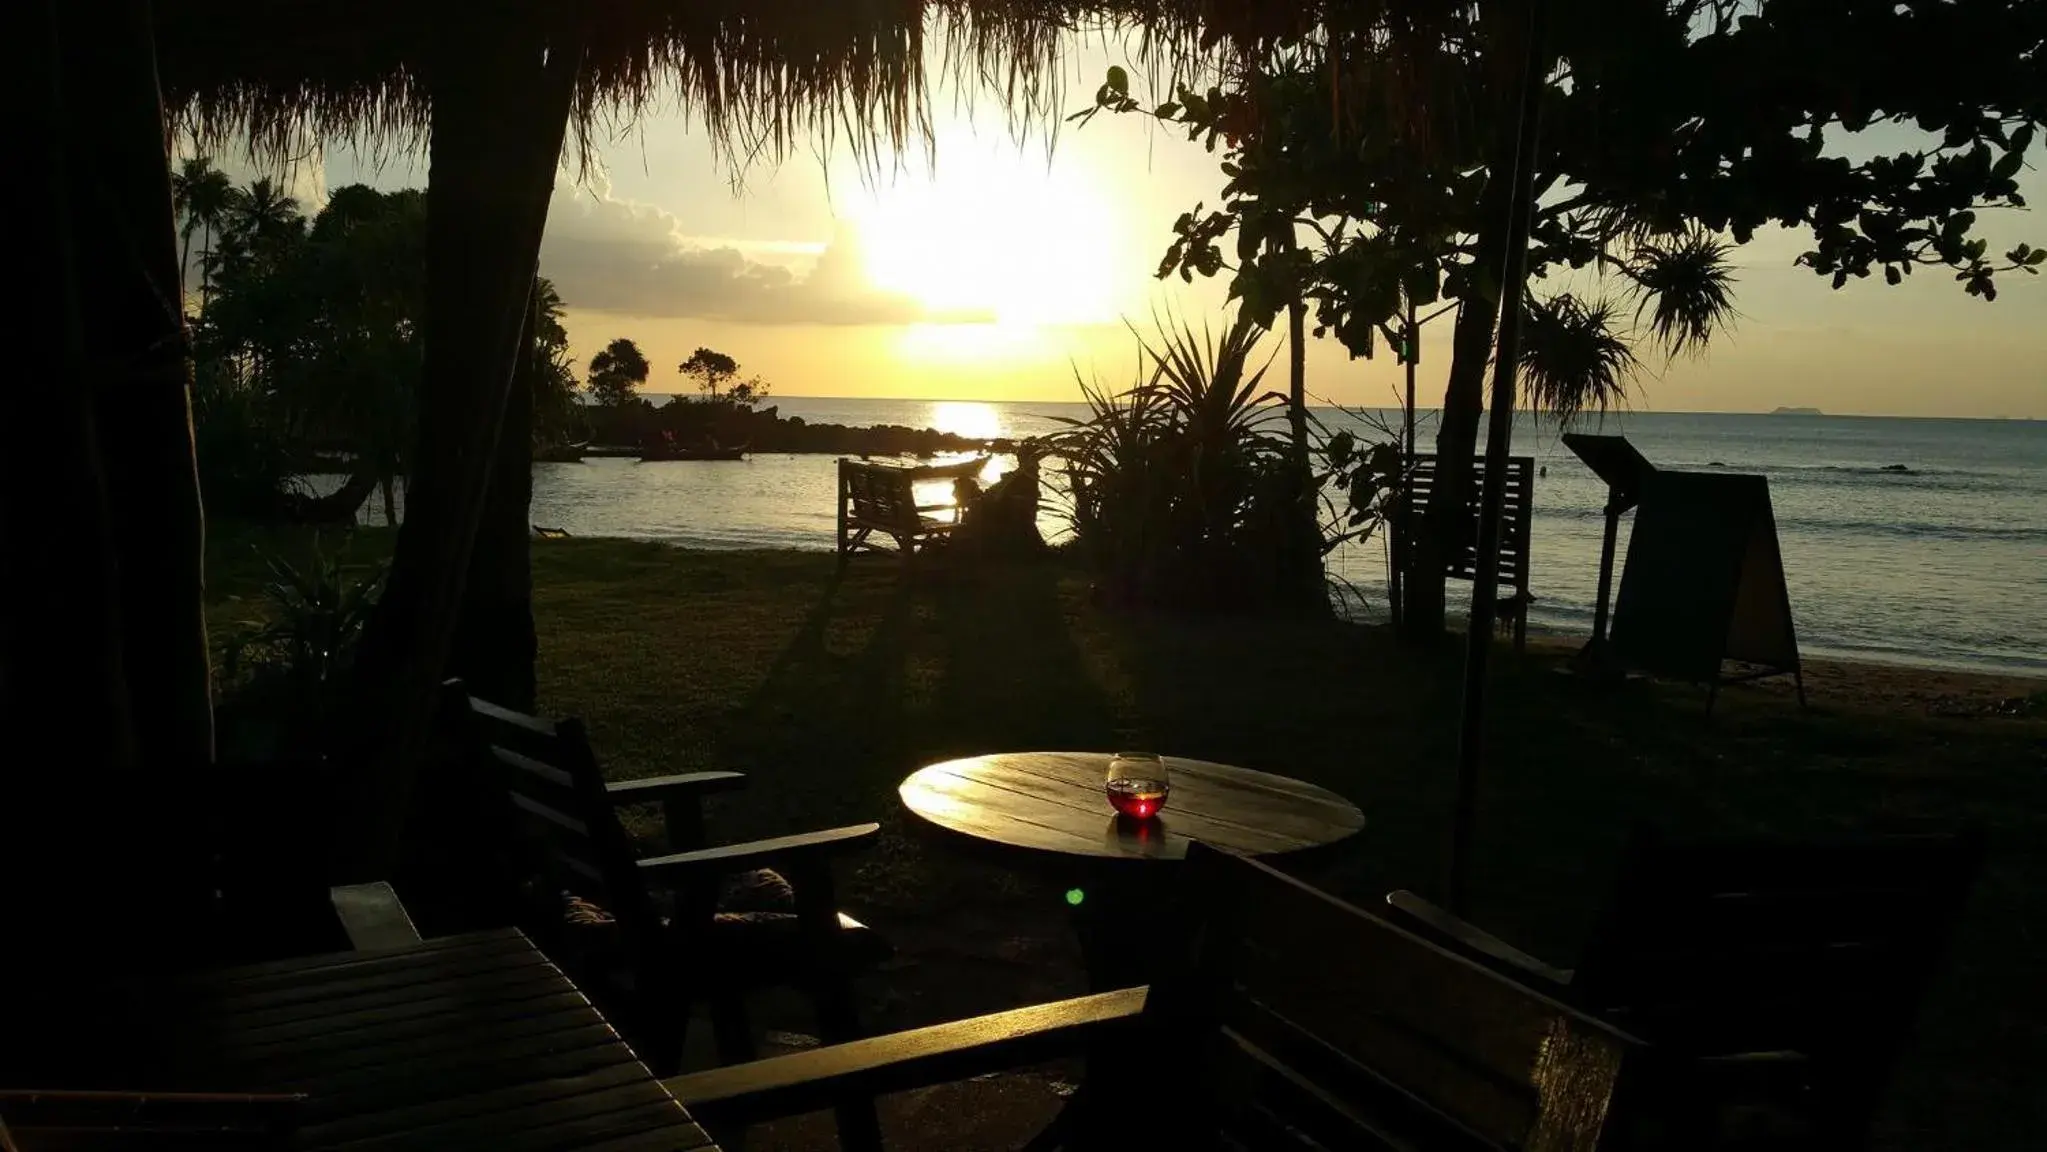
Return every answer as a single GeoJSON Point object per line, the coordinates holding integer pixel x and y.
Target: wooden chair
{"type": "Point", "coordinates": [1293, 1021]}
{"type": "Point", "coordinates": [1792, 969]}
{"type": "Point", "coordinates": [648, 937]}
{"type": "Point", "coordinates": [1515, 515]}
{"type": "Point", "coordinates": [883, 498]}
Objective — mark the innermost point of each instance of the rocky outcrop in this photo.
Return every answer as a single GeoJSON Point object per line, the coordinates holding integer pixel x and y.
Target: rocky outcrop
{"type": "Point", "coordinates": [687, 422]}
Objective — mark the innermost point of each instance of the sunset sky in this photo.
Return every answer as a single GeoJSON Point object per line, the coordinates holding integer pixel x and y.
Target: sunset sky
{"type": "Point", "coordinates": [993, 271]}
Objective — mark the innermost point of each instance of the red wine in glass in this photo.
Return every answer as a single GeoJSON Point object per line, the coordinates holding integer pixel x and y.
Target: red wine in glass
{"type": "Point", "coordinates": [1137, 785]}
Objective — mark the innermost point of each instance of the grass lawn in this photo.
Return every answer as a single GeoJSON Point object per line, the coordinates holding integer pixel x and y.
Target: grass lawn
{"type": "Point", "coordinates": [829, 692]}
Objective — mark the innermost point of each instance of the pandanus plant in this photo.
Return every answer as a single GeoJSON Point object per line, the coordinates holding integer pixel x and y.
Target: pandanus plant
{"type": "Point", "coordinates": [1180, 488]}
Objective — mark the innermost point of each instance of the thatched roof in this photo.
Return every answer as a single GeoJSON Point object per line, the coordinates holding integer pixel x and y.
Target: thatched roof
{"type": "Point", "coordinates": [760, 74]}
{"type": "Point", "coordinates": [757, 73]}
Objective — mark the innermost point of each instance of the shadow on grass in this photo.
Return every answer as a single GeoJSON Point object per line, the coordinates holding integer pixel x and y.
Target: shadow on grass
{"type": "Point", "coordinates": [829, 694]}
{"type": "Point", "coordinates": [1014, 678]}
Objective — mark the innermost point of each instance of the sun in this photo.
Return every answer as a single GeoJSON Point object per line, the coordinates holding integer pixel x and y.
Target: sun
{"type": "Point", "coordinates": [997, 240]}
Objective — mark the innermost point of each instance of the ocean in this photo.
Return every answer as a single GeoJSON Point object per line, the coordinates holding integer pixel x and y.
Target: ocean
{"type": "Point", "coordinates": [1942, 564]}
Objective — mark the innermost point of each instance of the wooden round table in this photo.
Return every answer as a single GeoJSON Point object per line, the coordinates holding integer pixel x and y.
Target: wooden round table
{"type": "Point", "coordinates": [1053, 803]}
{"type": "Point", "coordinates": [1050, 809]}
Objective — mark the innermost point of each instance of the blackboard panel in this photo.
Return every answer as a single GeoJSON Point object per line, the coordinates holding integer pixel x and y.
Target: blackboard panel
{"type": "Point", "coordinates": [1693, 532]}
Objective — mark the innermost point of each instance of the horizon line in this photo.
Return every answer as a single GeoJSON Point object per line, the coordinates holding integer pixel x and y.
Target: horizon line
{"type": "Point", "coordinates": [1433, 409]}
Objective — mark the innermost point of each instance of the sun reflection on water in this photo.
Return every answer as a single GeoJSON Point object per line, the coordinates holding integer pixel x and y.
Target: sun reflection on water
{"type": "Point", "coordinates": [966, 418]}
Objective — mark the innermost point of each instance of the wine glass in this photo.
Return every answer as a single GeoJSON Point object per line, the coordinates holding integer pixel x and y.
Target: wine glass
{"type": "Point", "coordinates": [1137, 784]}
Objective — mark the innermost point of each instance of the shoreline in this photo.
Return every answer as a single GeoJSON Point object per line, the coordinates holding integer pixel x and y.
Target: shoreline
{"type": "Point", "coordinates": [2017, 681]}
{"type": "Point", "coordinates": [1570, 639]}
{"type": "Point", "coordinates": [1871, 685]}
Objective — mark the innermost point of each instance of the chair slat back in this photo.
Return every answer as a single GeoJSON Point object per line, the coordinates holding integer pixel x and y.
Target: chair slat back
{"type": "Point", "coordinates": [881, 496]}
{"type": "Point", "coordinates": [559, 817]}
{"type": "Point", "coordinates": [1321, 1025]}
{"type": "Point", "coordinates": [1793, 945]}
{"type": "Point", "coordinates": [1515, 515]}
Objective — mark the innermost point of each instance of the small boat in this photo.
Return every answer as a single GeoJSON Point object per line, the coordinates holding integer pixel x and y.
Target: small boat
{"type": "Point", "coordinates": [661, 454]}
{"type": "Point", "coordinates": [707, 449]}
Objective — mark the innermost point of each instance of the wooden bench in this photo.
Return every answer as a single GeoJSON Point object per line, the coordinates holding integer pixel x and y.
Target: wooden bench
{"type": "Point", "coordinates": [1515, 514]}
{"type": "Point", "coordinates": [1788, 971]}
{"type": "Point", "coordinates": [882, 498]}
{"type": "Point", "coordinates": [1291, 1021]}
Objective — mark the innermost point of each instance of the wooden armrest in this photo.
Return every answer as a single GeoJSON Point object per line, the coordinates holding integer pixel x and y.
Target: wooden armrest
{"type": "Point", "coordinates": [1469, 940]}
{"type": "Point", "coordinates": [652, 789]}
{"type": "Point", "coordinates": [763, 853]}
{"type": "Point", "coordinates": [959, 1050]}
{"type": "Point", "coordinates": [372, 916]}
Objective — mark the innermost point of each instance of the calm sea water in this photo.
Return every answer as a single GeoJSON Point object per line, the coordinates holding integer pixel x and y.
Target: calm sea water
{"type": "Point", "coordinates": [1943, 565]}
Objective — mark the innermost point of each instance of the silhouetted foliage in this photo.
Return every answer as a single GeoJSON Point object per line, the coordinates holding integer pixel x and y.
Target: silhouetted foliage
{"type": "Point", "coordinates": [557, 416]}
{"type": "Point", "coordinates": [710, 370]}
{"type": "Point", "coordinates": [308, 346]}
{"type": "Point", "coordinates": [617, 372]}
{"type": "Point", "coordinates": [200, 198]}
{"type": "Point", "coordinates": [1181, 489]}
{"type": "Point", "coordinates": [311, 332]}
{"type": "Point", "coordinates": [1571, 357]}
{"type": "Point", "coordinates": [714, 374]}
{"type": "Point", "coordinates": [282, 676]}
{"type": "Point", "coordinates": [1366, 164]}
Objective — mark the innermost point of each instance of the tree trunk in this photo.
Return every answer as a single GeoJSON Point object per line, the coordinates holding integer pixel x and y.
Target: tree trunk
{"type": "Point", "coordinates": [390, 501]}
{"type": "Point", "coordinates": [60, 628]}
{"type": "Point", "coordinates": [206, 269]}
{"type": "Point", "coordinates": [107, 644]}
{"type": "Point", "coordinates": [141, 374]}
{"type": "Point", "coordinates": [1305, 580]}
{"type": "Point", "coordinates": [1446, 521]}
{"type": "Point", "coordinates": [494, 648]}
{"type": "Point", "coordinates": [501, 93]}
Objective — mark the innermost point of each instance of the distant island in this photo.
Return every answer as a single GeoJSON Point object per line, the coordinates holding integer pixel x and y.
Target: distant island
{"type": "Point", "coordinates": [1796, 412]}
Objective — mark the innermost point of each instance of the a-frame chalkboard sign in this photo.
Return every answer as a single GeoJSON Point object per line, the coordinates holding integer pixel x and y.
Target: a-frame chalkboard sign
{"type": "Point", "coordinates": [1704, 584]}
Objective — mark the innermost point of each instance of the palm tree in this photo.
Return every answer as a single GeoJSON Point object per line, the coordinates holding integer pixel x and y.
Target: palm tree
{"type": "Point", "coordinates": [262, 213]}
{"type": "Point", "coordinates": [1576, 354]}
{"type": "Point", "coordinates": [201, 196]}
{"type": "Point", "coordinates": [556, 414]}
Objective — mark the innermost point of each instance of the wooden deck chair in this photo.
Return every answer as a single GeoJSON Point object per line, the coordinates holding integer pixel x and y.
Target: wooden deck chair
{"type": "Point", "coordinates": [1293, 1021]}
{"type": "Point", "coordinates": [648, 937]}
{"type": "Point", "coordinates": [1794, 968]}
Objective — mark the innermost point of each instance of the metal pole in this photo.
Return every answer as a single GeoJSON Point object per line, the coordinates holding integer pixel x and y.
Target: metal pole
{"type": "Point", "coordinates": [1412, 354]}
{"type": "Point", "coordinates": [1499, 434]}
{"type": "Point", "coordinates": [1414, 357]}
{"type": "Point", "coordinates": [1613, 524]}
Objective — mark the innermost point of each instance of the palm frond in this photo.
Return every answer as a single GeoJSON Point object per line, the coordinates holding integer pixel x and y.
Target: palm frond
{"type": "Point", "coordinates": [1571, 357]}
{"type": "Point", "coordinates": [1687, 288]}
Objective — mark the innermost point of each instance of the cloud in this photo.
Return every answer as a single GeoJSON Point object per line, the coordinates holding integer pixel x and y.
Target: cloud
{"type": "Point", "coordinates": [612, 255]}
